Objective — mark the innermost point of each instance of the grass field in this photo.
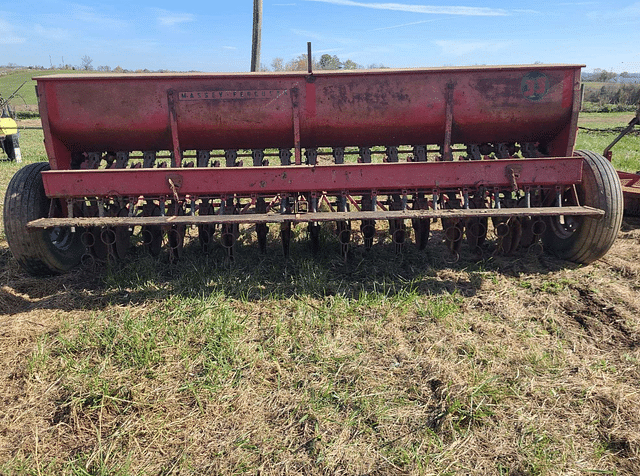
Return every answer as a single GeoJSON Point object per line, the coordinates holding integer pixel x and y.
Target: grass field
{"type": "Point", "coordinates": [23, 79]}
{"type": "Point", "coordinates": [384, 365]}
{"type": "Point", "coordinates": [626, 153]}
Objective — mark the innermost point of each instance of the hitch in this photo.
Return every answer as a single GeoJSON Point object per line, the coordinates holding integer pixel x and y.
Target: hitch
{"type": "Point", "coordinates": [632, 123]}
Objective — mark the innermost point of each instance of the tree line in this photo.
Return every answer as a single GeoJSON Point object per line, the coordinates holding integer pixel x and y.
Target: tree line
{"type": "Point", "coordinates": [299, 63]}
{"type": "Point", "coordinates": [603, 76]}
{"type": "Point", "coordinates": [326, 62]}
{"type": "Point", "coordinates": [606, 91]}
{"type": "Point", "coordinates": [611, 97]}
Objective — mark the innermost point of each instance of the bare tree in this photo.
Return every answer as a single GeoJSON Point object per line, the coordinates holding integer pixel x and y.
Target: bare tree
{"type": "Point", "coordinates": [86, 63]}
{"type": "Point", "coordinates": [326, 62]}
{"type": "Point", "coordinates": [298, 63]}
{"type": "Point", "coordinates": [277, 64]}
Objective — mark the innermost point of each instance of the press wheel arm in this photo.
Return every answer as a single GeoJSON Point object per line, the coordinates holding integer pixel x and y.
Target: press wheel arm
{"type": "Point", "coordinates": [632, 123]}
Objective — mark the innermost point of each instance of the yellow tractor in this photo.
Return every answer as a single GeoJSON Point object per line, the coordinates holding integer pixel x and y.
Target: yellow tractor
{"type": "Point", "coordinates": [9, 133]}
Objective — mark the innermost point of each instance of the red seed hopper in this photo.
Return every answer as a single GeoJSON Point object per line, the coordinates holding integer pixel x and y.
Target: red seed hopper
{"type": "Point", "coordinates": [151, 154]}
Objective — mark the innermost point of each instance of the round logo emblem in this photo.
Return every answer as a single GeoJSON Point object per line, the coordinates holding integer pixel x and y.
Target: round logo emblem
{"type": "Point", "coordinates": [535, 86]}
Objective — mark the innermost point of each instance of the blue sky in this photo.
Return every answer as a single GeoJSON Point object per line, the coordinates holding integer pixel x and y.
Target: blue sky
{"type": "Point", "coordinates": [216, 35]}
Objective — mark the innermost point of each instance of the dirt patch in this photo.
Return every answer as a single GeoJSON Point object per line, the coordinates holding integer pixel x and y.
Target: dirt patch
{"type": "Point", "coordinates": [614, 119]}
{"type": "Point", "coordinates": [29, 123]}
{"type": "Point", "coordinates": [601, 319]}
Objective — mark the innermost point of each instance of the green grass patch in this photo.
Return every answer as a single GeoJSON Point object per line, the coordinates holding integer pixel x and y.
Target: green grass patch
{"type": "Point", "coordinates": [198, 335]}
{"type": "Point", "coordinates": [10, 82]}
{"type": "Point", "coordinates": [626, 153]}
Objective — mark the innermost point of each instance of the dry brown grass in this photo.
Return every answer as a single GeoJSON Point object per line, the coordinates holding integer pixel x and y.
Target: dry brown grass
{"type": "Point", "coordinates": [520, 366]}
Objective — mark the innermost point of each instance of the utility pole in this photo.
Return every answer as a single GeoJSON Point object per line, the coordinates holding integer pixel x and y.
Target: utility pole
{"type": "Point", "coordinates": [257, 33]}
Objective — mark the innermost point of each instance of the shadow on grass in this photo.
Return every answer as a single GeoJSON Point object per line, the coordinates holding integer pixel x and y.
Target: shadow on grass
{"type": "Point", "coordinates": [254, 277]}
{"type": "Point", "coordinates": [632, 222]}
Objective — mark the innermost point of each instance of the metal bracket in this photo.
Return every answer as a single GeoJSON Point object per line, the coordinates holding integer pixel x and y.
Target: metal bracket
{"type": "Point", "coordinates": [93, 160]}
{"type": "Point", "coordinates": [312, 156]}
{"type": "Point", "coordinates": [122, 159]}
{"type": "Point", "coordinates": [203, 158]}
{"type": "Point", "coordinates": [148, 159]}
{"type": "Point", "coordinates": [175, 182]}
{"type": "Point", "coordinates": [176, 179]}
{"type": "Point", "coordinates": [513, 172]}
{"type": "Point", "coordinates": [285, 156]}
{"type": "Point", "coordinates": [257, 156]}
{"type": "Point", "coordinates": [391, 154]}
{"type": "Point", "coordinates": [365, 155]}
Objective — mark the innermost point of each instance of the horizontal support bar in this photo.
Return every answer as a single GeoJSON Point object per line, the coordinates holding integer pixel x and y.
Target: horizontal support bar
{"type": "Point", "coordinates": [245, 181]}
{"type": "Point", "coordinates": [314, 217]}
{"type": "Point", "coordinates": [630, 183]}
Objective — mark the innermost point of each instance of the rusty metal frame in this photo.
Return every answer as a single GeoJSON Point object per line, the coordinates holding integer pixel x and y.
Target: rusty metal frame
{"type": "Point", "coordinates": [315, 217]}
{"type": "Point", "coordinates": [576, 105]}
{"type": "Point", "coordinates": [268, 180]}
{"type": "Point", "coordinates": [630, 183]}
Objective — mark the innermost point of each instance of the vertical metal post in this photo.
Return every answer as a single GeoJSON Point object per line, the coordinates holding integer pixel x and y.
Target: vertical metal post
{"type": "Point", "coordinates": [309, 59]}
{"type": "Point", "coordinates": [296, 126]}
{"type": "Point", "coordinates": [257, 34]}
{"type": "Point", "coordinates": [173, 120]}
{"type": "Point", "coordinates": [446, 150]}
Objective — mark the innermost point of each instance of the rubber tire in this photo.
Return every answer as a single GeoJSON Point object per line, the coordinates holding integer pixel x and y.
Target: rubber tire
{"type": "Point", "coordinates": [592, 238]}
{"type": "Point", "coordinates": [36, 250]}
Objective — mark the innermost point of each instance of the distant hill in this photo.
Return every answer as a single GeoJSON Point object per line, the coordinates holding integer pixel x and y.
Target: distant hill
{"type": "Point", "coordinates": [12, 79]}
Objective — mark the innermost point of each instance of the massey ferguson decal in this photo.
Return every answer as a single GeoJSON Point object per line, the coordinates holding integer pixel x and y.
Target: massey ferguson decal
{"type": "Point", "coordinates": [225, 95]}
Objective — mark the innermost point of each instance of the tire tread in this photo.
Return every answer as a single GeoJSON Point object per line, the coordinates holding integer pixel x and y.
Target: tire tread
{"type": "Point", "coordinates": [25, 201]}
{"type": "Point", "coordinates": [594, 236]}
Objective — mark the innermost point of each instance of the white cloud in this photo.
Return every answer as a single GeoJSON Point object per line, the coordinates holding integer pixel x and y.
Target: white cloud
{"type": "Point", "coordinates": [139, 47]}
{"type": "Point", "coordinates": [229, 48]}
{"type": "Point", "coordinates": [11, 40]}
{"type": "Point", "coordinates": [461, 48]}
{"type": "Point", "coordinates": [429, 9]}
{"type": "Point", "coordinates": [329, 50]}
{"type": "Point", "coordinates": [309, 34]}
{"type": "Point", "coordinates": [8, 36]}
{"type": "Point", "coordinates": [403, 25]}
{"type": "Point", "coordinates": [167, 18]}
{"type": "Point", "coordinates": [319, 37]}
{"type": "Point", "coordinates": [630, 13]}
{"type": "Point", "coordinates": [53, 34]}
{"type": "Point", "coordinates": [85, 15]}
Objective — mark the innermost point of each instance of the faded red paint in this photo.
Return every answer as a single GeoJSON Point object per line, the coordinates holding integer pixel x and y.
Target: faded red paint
{"type": "Point", "coordinates": [352, 178]}
{"type": "Point", "coordinates": [175, 112]}
{"type": "Point", "coordinates": [360, 108]}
